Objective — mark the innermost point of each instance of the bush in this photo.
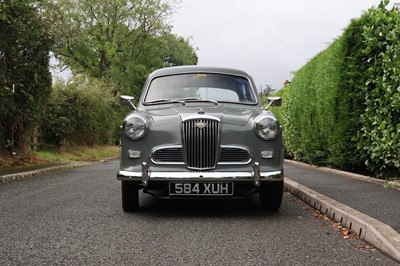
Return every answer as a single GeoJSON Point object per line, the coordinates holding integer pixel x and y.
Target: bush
{"type": "Point", "coordinates": [309, 118]}
{"type": "Point", "coordinates": [80, 113]}
{"type": "Point", "coordinates": [379, 137]}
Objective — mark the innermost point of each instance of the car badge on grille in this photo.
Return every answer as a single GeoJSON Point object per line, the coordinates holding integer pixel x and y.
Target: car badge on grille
{"type": "Point", "coordinates": [200, 125]}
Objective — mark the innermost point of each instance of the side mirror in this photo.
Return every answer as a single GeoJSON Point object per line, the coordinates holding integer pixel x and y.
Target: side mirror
{"type": "Point", "coordinates": [127, 100]}
{"type": "Point", "coordinates": [274, 101]}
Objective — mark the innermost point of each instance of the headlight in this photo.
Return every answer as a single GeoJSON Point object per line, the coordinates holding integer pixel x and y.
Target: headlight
{"type": "Point", "coordinates": [135, 127]}
{"type": "Point", "coordinates": [266, 128]}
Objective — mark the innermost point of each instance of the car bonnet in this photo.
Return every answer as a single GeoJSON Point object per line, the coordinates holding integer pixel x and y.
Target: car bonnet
{"type": "Point", "coordinates": [227, 115]}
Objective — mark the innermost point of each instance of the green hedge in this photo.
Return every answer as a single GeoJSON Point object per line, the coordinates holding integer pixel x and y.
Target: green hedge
{"type": "Point", "coordinates": [278, 112]}
{"type": "Point", "coordinates": [379, 137]}
{"type": "Point", "coordinates": [342, 107]}
{"type": "Point", "coordinates": [310, 122]}
{"type": "Point", "coordinates": [80, 112]}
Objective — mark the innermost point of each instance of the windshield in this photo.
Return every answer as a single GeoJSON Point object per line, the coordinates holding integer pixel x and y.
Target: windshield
{"type": "Point", "coordinates": [200, 87]}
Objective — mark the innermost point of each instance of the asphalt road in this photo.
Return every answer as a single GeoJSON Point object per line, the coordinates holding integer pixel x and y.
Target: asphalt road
{"type": "Point", "coordinates": [75, 218]}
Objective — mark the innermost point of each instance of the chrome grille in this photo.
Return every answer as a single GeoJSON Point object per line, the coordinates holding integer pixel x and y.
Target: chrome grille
{"type": "Point", "coordinates": [168, 155]}
{"type": "Point", "coordinates": [234, 155]}
{"type": "Point", "coordinates": [228, 155]}
{"type": "Point", "coordinates": [200, 143]}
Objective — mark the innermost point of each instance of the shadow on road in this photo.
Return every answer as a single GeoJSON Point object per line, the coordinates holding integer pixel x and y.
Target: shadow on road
{"type": "Point", "coordinates": [217, 208]}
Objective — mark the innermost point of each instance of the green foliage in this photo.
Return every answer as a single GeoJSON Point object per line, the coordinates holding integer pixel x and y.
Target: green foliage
{"type": "Point", "coordinates": [343, 107]}
{"type": "Point", "coordinates": [118, 41]}
{"type": "Point", "coordinates": [158, 51]}
{"type": "Point", "coordinates": [278, 111]}
{"type": "Point", "coordinates": [265, 93]}
{"type": "Point", "coordinates": [113, 42]}
{"type": "Point", "coordinates": [80, 113]}
{"type": "Point", "coordinates": [25, 79]}
{"type": "Point", "coordinates": [379, 137]}
{"type": "Point", "coordinates": [309, 119]}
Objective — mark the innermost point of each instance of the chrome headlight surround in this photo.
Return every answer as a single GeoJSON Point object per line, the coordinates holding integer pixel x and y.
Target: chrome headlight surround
{"type": "Point", "coordinates": [135, 127]}
{"type": "Point", "coordinates": [266, 127]}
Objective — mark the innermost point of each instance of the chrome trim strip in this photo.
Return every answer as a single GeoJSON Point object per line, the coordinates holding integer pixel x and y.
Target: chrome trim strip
{"type": "Point", "coordinates": [182, 175]}
{"type": "Point", "coordinates": [234, 163]}
{"type": "Point", "coordinates": [200, 116]}
{"type": "Point", "coordinates": [165, 147]}
{"type": "Point", "coordinates": [166, 163]}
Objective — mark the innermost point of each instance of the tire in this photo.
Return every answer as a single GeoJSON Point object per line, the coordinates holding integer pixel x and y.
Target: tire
{"type": "Point", "coordinates": [271, 194]}
{"type": "Point", "coordinates": [130, 196]}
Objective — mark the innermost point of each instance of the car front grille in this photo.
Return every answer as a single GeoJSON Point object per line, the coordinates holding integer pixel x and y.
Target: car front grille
{"type": "Point", "coordinates": [200, 143]}
{"type": "Point", "coordinates": [234, 155]}
{"type": "Point", "coordinates": [228, 155]}
{"type": "Point", "coordinates": [168, 155]}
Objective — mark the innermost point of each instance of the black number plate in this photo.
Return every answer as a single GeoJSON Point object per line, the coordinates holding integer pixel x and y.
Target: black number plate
{"type": "Point", "coordinates": [200, 189]}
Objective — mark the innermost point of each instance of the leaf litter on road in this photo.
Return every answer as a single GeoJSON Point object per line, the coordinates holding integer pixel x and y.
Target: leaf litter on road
{"type": "Point", "coordinates": [353, 239]}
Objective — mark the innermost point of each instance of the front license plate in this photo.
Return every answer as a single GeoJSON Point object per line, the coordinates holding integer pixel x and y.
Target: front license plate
{"type": "Point", "coordinates": [200, 189]}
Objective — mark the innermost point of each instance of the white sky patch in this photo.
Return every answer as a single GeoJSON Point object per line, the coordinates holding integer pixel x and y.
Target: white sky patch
{"type": "Point", "coordinates": [268, 39]}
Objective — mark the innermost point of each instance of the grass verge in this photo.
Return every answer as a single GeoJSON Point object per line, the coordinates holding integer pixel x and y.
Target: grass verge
{"type": "Point", "coordinates": [79, 153]}
{"type": "Point", "coordinates": [34, 160]}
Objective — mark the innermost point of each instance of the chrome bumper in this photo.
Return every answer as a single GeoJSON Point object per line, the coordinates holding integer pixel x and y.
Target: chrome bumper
{"type": "Point", "coordinates": [145, 175]}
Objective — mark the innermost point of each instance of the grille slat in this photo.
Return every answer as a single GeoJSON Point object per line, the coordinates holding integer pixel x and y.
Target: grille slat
{"type": "Point", "coordinates": [200, 143]}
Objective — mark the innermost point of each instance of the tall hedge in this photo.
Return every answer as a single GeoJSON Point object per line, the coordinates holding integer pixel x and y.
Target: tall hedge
{"type": "Point", "coordinates": [311, 124]}
{"type": "Point", "coordinates": [342, 107]}
{"type": "Point", "coordinates": [80, 112]}
{"type": "Point", "coordinates": [379, 137]}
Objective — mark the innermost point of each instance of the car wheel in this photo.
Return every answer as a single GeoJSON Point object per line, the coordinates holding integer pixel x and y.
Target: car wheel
{"type": "Point", "coordinates": [130, 196]}
{"type": "Point", "coordinates": [271, 194]}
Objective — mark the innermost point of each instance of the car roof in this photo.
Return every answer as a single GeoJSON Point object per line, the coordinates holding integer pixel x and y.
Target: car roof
{"type": "Point", "coordinates": [196, 69]}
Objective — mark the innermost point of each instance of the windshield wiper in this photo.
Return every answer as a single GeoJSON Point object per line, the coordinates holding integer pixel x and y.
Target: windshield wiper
{"type": "Point", "coordinates": [194, 99]}
{"type": "Point", "coordinates": [182, 100]}
{"type": "Point", "coordinates": [166, 101]}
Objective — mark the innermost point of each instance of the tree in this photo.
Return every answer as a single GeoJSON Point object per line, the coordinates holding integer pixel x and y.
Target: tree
{"type": "Point", "coordinates": [158, 51]}
{"type": "Point", "coordinates": [119, 41]}
{"type": "Point", "coordinates": [177, 51]}
{"type": "Point", "coordinates": [266, 91]}
{"type": "Point", "coordinates": [25, 79]}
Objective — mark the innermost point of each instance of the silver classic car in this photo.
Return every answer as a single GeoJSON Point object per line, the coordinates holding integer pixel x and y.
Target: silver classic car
{"type": "Point", "coordinates": [201, 132]}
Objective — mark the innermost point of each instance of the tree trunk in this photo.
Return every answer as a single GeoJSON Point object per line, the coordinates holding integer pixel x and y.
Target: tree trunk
{"type": "Point", "coordinates": [19, 136]}
{"type": "Point", "coordinates": [10, 136]}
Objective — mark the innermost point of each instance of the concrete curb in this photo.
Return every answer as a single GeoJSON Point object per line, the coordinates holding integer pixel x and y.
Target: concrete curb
{"type": "Point", "coordinates": [23, 175]}
{"type": "Point", "coordinates": [379, 234]}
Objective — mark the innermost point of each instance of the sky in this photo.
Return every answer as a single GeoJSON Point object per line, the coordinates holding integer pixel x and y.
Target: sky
{"type": "Point", "coordinates": [269, 39]}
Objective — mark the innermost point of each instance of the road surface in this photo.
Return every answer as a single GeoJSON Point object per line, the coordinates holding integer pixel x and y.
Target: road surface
{"type": "Point", "coordinates": [75, 218]}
